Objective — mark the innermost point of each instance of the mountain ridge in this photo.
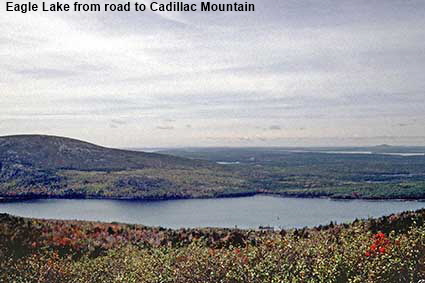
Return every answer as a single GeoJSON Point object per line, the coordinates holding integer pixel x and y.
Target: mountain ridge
{"type": "Point", "coordinates": [41, 166]}
{"type": "Point", "coordinates": [54, 152]}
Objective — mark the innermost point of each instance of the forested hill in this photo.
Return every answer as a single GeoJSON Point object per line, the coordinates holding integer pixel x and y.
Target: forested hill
{"type": "Point", "coordinates": [39, 166]}
{"type": "Point", "coordinates": [36, 166]}
{"type": "Point", "coordinates": [51, 152]}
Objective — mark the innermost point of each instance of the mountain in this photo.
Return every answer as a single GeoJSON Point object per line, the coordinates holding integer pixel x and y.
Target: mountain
{"type": "Point", "coordinates": [52, 153]}
{"type": "Point", "coordinates": [39, 166]}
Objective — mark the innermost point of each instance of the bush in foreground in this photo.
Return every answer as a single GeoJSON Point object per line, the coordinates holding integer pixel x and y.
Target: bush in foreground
{"type": "Point", "coordinates": [389, 249]}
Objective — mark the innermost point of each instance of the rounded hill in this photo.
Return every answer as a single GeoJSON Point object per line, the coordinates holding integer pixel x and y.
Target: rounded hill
{"type": "Point", "coordinates": [52, 152]}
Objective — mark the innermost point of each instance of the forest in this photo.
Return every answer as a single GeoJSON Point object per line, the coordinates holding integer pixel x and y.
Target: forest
{"type": "Point", "coordinates": [55, 167]}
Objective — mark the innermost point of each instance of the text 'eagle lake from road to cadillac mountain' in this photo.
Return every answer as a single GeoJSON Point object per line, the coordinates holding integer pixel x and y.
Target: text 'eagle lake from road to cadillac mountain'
{"type": "Point", "coordinates": [121, 7]}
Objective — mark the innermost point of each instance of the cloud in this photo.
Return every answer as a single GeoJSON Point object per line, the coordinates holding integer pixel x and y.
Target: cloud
{"type": "Point", "coordinates": [116, 123]}
{"type": "Point", "coordinates": [44, 73]}
{"type": "Point", "coordinates": [275, 128]}
{"type": "Point", "coordinates": [318, 69]}
{"type": "Point", "coordinates": [165, 128]}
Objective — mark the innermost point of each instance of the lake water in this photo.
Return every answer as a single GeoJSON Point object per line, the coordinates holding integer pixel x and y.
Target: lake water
{"type": "Point", "coordinates": [407, 154]}
{"type": "Point", "coordinates": [246, 212]}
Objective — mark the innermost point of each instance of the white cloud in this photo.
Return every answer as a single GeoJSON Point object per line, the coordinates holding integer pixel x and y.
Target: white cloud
{"type": "Point", "coordinates": [332, 68]}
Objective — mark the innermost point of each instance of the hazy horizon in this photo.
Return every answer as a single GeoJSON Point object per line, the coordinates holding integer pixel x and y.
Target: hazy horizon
{"type": "Point", "coordinates": [292, 73]}
{"type": "Point", "coordinates": [295, 144]}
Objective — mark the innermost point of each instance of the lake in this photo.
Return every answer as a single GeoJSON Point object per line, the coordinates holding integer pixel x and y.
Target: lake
{"type": "Point", "coordinates": [407, 154]}
{"type": "Point", "coordinates": [244, 212]}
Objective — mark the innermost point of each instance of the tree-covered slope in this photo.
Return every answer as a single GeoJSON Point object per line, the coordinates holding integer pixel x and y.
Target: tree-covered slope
{"type": "Point", "coordinates": [37, 166]}
{"type": "Point", "coordinates": [34, 166]}
{"type": "Point", "coordinates": [51, 152]}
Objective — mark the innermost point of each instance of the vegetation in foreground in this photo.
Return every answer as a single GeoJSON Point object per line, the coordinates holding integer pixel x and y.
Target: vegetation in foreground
{"type": "Point", "coordinates": [388, 249]}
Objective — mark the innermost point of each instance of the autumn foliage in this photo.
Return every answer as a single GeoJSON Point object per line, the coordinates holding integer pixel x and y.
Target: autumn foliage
{"type": "Point", "coordinates": [389, 249]}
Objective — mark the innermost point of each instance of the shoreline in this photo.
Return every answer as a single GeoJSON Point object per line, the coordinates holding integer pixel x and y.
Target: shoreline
{"type": "Point", "coordinates": [7, 199]}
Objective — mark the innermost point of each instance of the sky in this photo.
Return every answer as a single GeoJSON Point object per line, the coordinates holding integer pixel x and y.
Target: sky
{"type": "Point", "coordinates": [292, 73]}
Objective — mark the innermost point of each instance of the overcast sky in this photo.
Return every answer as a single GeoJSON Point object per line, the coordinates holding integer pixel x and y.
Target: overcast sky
{"type": "Point", "coordinates": [295, 72]}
